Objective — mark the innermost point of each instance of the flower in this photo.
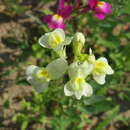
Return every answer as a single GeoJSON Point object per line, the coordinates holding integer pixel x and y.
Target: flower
{"type": "Point", "coordinates": [57, 20]}
{"type": "Point", "coordinates": [100, 8]}
{"type": "Point", "coordinates": [40, 77]}
{"type": "Point", "coordinates": [77, 85]}
{"type": "Point", "coordinates": [55, 40]}
{"type": "Point", "coordinates": [54, 21]}
{"type": "Point", "coordinates": [100, 68]}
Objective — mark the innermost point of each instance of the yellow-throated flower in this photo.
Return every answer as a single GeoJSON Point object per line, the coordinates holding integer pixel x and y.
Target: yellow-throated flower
{"type": "Point", "coordinates": [77, 85]}
{"type": "Point", "coordinates": [55, 40]}
{"type": "Point", "coordinates": [100, 68]}
{"type": "Point", "coordinates": [39, 77]}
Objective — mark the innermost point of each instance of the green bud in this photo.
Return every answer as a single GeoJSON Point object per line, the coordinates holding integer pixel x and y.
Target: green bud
{"type": "Point", "coordinates": [78, 43]}
{"type": "Point", "coordinates": [79, 37]}
{"type": "Point", "coordinates": [91, 58]}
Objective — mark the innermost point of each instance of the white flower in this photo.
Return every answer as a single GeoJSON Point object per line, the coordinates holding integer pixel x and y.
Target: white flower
{"type": "Point", "coordinates": [39, 77]}
{"type": "Point", "coordinates": [101, 68]}
{"type": "Point", "coordinates": [55, 40]}
{"type": "Point", "coordinates": [77, 85]}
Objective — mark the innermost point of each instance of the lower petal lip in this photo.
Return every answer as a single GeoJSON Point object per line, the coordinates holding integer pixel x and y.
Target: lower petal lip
{"type": "Point", "coordinates": [100, 16]}
{"type": "Point", "coordinates": [56, 25]}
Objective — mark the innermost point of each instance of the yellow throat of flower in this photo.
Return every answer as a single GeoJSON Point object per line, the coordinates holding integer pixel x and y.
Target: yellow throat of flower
{"type": "Point", "coordinates": [43, 73]}
{"type": "Point", "coordinates": [57, 18]}
{"type": "Point", "coordinates": [56, 39]}
{"type": "Point", "coordinates": [100, 67]}
{"type": "Point", "coordinates": [78, 83]}
{"type": "Point", "coordinates": [100, 4]}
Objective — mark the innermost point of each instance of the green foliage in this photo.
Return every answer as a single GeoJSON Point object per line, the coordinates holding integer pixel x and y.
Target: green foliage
{"type": "Point", "coordinates": [52, 109]}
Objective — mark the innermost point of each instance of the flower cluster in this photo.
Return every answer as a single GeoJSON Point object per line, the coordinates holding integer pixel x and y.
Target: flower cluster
{"type": "Point", "coordinates": [80, 70]}
{"type": "Point", "coordinates": [65, 10]}
{"type": "Point", "coordinates": [57, 20]}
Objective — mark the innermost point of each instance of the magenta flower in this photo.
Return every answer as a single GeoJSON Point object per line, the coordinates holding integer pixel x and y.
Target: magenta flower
{"type": "Point", "coordinates": [100, 8]}
{"type": "Point", "coordinates": [57, 20]}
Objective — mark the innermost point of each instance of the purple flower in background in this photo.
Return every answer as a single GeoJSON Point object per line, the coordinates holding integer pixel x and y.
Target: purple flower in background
{"type": "Point", "coordinates": [100, 8]}
{"type": "Point", "coordinates": [57, 20]}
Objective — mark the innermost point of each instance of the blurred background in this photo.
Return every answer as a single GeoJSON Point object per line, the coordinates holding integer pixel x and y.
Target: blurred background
{"type": "Point", "coordinates": [22, 109]}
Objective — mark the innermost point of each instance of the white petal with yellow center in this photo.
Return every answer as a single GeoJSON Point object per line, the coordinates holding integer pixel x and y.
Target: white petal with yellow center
{"type": "Point", "coordinates": [78, 87]}
{"type": "Point", "coordinates": [42, 73]}
{"type": "Point", "coordinates": [52, 39]}
{"type": "Point", "coordinates": [56, 38]}
{"type": "Point", "coordinates": [109, 70]}
{"type": "Point", "coordinates": [37, 78]}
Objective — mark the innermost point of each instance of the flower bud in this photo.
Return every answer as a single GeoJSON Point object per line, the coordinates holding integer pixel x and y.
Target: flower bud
{"type": "Point", "coordinates": [79, 37]}
{"type": "Point", "coordinates": [91, 58]}
{"type": "Point", "coordinates": [78, 43]}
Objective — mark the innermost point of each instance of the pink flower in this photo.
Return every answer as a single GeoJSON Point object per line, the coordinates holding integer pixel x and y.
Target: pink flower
{"type": "Point", "coordinates": [92, 4]}
{"type": "Point", "coordinates": [100, 8]}
{"type": "Point", "coordinates": [57, 20]}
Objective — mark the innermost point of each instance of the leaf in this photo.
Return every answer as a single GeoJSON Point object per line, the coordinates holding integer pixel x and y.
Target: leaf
{"type": "Point", "coordinates": [24, 125]}
{"type": "Point", "coordinates": [22, 82]}
{"type": "Point", "coordinates": [94, 99]}
{"type": "Point", "coordinates": [6, 103]}
{"type": "Point", "coordinates": [112, 114]}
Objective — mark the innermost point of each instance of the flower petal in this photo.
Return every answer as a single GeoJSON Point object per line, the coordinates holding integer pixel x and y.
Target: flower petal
{"type": "Point", "coordinates": [65, 12]}
{"type": "Point", "coordinates": [66, 90]}
{"type": "Point", "coordinates": [109, 70]}
{"type": "Point", "coordinates": [78, 94]}
{"type": "Point", "coordinates": [99, 78]}
{"type": "Point", "coordinates": [57, 68]}
{"type": "Point", "coordinates": [61, 4]}
{"type": "Point", "coordinates": [39, 86]}
{"type": "Point", "coordinates": [85, 69]}
{"type": "Point", "coordinates": [88, 91]}
{"type": "Point", "coordinates": [60, 32]}
{"type": "Point", "coordinates": [103, 59]}
{"type": "Point", "coordinates": [47, 18]}
{"type": "Point", "coordinates": [56, 24]}
{"type": "Point", "coordinates": [73, 70]}
{"type": "Point", "coordinates": [31, 69]}
{"type": "Point", "coordinates": [92, 3]}
{"type": "Point", "coordinates": [67, 40]}
{"type": "Point", "coordinates": [100, 16]}
{"type": "Point", "coordinates": [44, 40]}
{"type": "Point", "coordinates": [103, 8]}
